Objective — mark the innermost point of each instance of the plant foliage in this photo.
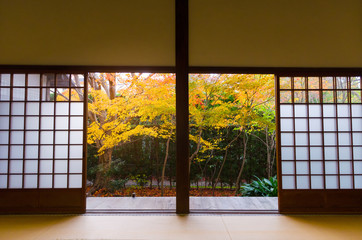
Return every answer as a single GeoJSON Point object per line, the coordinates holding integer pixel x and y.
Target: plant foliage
{"type": "Point", "coordinates": [261, 187]}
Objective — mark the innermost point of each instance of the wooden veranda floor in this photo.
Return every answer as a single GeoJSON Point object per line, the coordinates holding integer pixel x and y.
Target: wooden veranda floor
{"type": "Point", "coordinates": [169, 203]}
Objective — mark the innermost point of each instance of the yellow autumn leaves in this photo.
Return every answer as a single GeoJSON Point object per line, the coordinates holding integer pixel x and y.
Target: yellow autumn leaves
{"type": "Point", "coordinates": [144, 104]}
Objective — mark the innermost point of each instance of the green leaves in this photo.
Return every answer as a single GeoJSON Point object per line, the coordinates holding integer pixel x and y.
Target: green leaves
{"type": "Point", "coordinates": [117, 184]}
{"type": "Point", "coordinates": [265, 187]}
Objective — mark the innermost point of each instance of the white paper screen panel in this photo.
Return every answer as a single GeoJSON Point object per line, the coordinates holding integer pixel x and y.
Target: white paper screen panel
{"type": "Point", "coordinates": [321, 133]}
{"type": "Point", "coordinates": [41, 131]}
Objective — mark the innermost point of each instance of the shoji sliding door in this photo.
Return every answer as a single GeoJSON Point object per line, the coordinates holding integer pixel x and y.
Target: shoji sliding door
{"type": "Point", "coordinates": [42, 136]}
{"type": "Point", "coordinates": [320, 144]}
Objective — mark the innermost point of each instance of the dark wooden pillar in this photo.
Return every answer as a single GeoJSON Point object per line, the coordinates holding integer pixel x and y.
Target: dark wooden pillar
{"type": "Point", "coordinates": [182, 107]}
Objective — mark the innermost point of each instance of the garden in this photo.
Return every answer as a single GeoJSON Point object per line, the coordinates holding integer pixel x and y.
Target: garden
{"type": "Point", "coordinates": [132, 127]}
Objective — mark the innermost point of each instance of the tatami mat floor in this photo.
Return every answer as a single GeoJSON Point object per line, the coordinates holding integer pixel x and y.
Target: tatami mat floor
{"type": "Point", "coordinates": [258, 227]}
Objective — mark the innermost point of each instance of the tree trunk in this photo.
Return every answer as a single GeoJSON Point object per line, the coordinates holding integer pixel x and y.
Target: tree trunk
{"type": "Point", "coordinates": [272, 153]}
{"type": "Point", "coordinates": [197, 149]}
{"type": "Point", "coordinates": [99, 183]}
{"type": "Point", "coordinates": [268, 168]}
{"type": "Point", "coordinates": [212, 180]}
{"type": "Point", "coordinates": [245, 142]}
{"type": "Point", "coordinates": [273, 160]}
{"type": "Point", "coordinates": [101, 180]}
{"type": "Point", "coordinates": [156, 151]}
{"type": "Point", "coordinates": [164, 163]}
{"type": "Point", "coordinates": [223, 163]}
{"type": "Point", "coordinates": [270, 142]}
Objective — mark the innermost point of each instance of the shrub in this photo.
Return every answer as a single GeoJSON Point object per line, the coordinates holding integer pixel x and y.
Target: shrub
{"type": "Point", "coordinates": [141, 180]}
{"type": "Point", "coordinates": [116, 169]}
{"type": "Point", "coordinates": [265, 187]}
{"type": "Point", "coordinates": [117, 184]}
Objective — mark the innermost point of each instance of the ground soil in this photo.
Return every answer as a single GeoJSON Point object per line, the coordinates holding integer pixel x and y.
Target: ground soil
{"type": "Point", "coordinates": [156, 192]}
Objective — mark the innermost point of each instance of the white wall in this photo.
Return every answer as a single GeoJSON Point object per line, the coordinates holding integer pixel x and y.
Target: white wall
{"type": "Point", "coordinates": [264, 33]}
{"type": "Point", "coordinates": [87, 32]}
{"type": "Point", "coordinates": [272, 33]}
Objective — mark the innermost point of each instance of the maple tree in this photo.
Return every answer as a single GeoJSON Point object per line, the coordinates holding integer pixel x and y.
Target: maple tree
{"type": "Point", "coordinates": [123, 106]}
{"type": "Point", "coordinates": [159, 109]}
{"type": "Point", "coordinates": [230, 100]}
{"type": "Point", "coordinates": [265, 121]}
{"type": "Point", "coordinates": [207, 109]}
{"type": "Point", "coordinates": [224, 108]}
{"type": "Point", "coordinates": [249, 93]}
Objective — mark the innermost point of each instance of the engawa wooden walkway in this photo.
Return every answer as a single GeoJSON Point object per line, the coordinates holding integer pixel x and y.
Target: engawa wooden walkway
{"type": "Point", "coordinates": [196, 203]}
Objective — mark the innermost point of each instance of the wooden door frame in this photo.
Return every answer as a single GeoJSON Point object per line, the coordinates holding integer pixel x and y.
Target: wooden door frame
{"type": "Point", "coordinates": [313, 201]}
{"type": "Point", "coordinates": [39, 200]}
{"type": "Point", "coordinates": [183, 143]}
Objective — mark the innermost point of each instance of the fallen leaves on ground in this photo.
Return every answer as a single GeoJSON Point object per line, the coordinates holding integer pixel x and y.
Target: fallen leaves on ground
{"type": "Point", "coordinates": [156, 192]}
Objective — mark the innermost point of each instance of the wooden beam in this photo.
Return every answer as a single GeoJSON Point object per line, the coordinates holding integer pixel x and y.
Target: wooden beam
{"type": "Point", "coordinates": [182, 108]}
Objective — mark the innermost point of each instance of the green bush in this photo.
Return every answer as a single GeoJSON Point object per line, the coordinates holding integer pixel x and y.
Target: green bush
{"type": "Point", "coordinates": [141, 180]}
{"type": "Point", "coordinates": [92, 163]}
{"type": "Point", "coordinates": [117, 184]}
{"type": "Point", "coordinates": [115, 169]}
{"type": "Point", "coordinates": [265, 187]}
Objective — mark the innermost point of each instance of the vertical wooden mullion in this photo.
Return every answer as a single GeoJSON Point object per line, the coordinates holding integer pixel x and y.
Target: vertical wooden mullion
{"type": "Point", "coordinates": [294, 132]}
{"type": "Point", "coordinates": [335, 95]}
{"type": "Point", "coordinates": [69, 100]}
{"type": "Point", "coordinates": [39, 131]}
{"type": "Point", "coordinates": [278, 135]}
{"type": "Point", "coordinates": [308, 129]}
{"type": "Point", "coordinates": [54, 126]}
{"type": "Point", "coordinates": [322, 119]}
{"type": "Point", "coordinates": [85, 126]}
{"type": "Point", "coordinates": [182, 108]}
{"type": "Point", "coordinates": [24, 132]}
{"type": "Point", "coordinates": [349, 86]}
{"type": "Point", "coordinates": [10, 106]}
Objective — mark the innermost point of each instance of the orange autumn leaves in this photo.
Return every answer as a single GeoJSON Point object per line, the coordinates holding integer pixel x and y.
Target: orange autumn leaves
{"type": "Point", "coordinates": [156, 192]}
